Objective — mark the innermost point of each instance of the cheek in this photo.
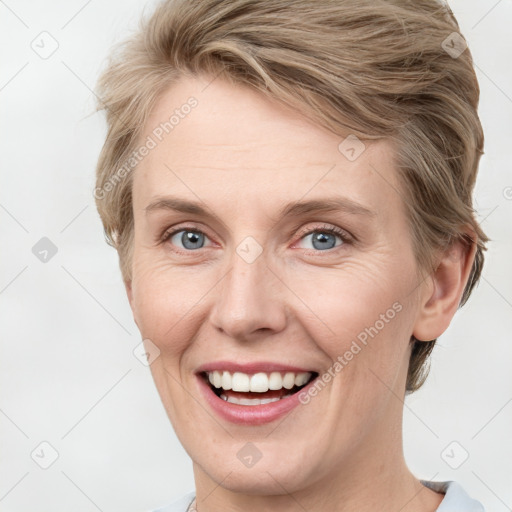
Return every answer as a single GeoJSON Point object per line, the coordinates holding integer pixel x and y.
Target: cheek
{"type": "Point", "coordinates": [361, 318]}
{"type": "Point", "coordinates": [344, 302]}
{"type": "Point", "coordinates": [166, 300]}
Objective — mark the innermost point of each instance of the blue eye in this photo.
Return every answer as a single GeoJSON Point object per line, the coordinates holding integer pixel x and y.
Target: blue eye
{"type": "Point", "coordinates": [187, 239]}
{"type": "Point", "coordinates": [190, 239]}
{"type": "Point", "coordinates": [325, 238]}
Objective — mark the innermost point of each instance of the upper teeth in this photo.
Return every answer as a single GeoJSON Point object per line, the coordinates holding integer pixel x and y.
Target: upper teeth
{"type": "Point", "coordinates": [258, 382]}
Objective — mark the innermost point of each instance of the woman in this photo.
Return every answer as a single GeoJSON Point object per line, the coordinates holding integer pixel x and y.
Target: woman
{"type": "Point", "coordinates": [288, 185]}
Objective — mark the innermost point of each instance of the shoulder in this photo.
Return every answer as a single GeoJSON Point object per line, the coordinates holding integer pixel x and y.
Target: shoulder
{"type": "Point", "coordinates": [456, 498]}
{"type": "Point", "coordinates": [181, 505]}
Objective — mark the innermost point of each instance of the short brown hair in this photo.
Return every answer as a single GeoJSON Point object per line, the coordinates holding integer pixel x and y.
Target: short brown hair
{"type": "Point", "coordinates": [375, 68]}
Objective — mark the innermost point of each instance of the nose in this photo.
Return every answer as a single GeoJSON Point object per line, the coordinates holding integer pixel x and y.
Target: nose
{"type": "Point", "coordinates": [250, 301]}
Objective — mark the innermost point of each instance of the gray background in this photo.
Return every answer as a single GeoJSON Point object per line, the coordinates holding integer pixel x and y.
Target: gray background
{"type": "Point", "coordinates": [68, 375]}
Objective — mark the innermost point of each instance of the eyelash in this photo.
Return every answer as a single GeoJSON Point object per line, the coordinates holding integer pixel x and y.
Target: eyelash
{"type": "Point", "coordinates": [333, 230]}
{"type": "Point", "coordinates": [342, 234]}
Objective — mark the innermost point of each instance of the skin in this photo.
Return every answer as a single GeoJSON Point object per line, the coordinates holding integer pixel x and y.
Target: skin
{"type": "Point", "coordinates": [243, 157]}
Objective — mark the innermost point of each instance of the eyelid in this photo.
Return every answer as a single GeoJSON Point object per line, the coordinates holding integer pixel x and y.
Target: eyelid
{"type": "Point", "coordinates": [344, 235]}
{"type": "Point", "coordinates": [329, 228]}
{"type": "Point", "coordinates": [168, 232]}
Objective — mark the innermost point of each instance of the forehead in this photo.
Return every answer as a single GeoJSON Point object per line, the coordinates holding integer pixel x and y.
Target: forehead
{"type": "Point", "coordinates": [217, 140]}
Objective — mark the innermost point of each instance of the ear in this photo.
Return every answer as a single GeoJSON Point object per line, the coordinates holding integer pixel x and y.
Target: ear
{"type": "Point", "coordinates": [446, 284]}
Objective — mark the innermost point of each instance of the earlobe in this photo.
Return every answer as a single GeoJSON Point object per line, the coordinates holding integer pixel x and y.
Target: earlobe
{"type": "Point", "coordinates": [442, 298]}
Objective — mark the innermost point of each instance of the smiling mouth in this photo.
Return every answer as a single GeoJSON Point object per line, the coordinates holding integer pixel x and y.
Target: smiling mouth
{"type": "Point", "coordinates": [258, 388]}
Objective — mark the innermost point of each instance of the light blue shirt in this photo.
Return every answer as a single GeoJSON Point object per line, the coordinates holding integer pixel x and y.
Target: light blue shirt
{"type": "Point", "coordinates": [456, 499]}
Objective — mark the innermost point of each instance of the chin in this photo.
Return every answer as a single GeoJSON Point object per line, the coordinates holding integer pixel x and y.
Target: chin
{"type": "Point", "coordinates": [261, 482]}
{"type": "Point", "coordinates": [280, 469]}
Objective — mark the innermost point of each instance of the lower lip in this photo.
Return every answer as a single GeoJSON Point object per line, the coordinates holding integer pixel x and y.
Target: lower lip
{"type": "Point", "coordinates": [250, 414]}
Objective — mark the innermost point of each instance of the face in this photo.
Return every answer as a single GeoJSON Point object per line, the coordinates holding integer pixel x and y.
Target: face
{"type": "Point", "coordinates": [233, 274]}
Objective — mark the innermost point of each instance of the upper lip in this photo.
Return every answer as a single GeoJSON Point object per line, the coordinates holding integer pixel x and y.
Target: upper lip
{"type": "Point", "coordinates": [251, 368]}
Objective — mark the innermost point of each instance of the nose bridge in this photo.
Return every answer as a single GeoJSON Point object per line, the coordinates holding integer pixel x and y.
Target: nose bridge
{"type": "Point", "coordinates": [247, 300]}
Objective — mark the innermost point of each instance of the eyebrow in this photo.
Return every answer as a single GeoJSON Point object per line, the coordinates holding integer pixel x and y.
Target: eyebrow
{"type": "Point", "coordinates": [293, 209]}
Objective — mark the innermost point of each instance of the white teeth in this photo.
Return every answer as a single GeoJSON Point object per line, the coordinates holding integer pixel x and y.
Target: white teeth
{"type": "Point", "coordinates": [275, 381]}
{"type": "Point", "coordinates": [217, 379]}
{"type": "Point", "coordinates": [240, 382]}
{"type": "Point", "coordinates": [289, 380]}
{"type": "Point", "coordinates": [226, 381]}
{"type": "Point", "coordinates": [248, 401]}
{"type": "Point", "coordinates": [268, 400]}
{"type": "Point", "coordinates": [301, 379]}
{"type": "Point", "coordinates": [258, 382]}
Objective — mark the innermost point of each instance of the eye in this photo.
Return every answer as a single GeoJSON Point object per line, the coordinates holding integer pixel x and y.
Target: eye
{"type": "Point", "coordinates": [324, 238]}
{"type": "Point", "coordinates": [190, 238]}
